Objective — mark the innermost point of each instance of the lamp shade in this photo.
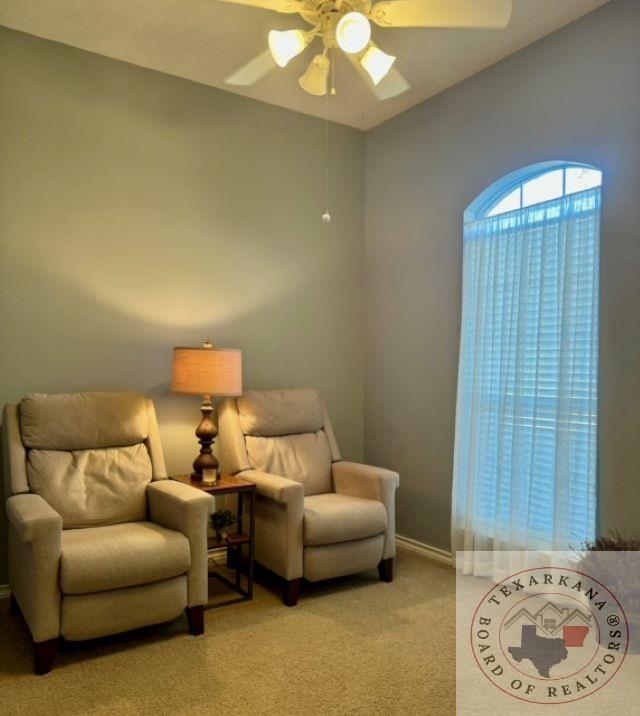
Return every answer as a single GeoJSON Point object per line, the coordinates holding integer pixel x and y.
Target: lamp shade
{"type": "Point", "coordinates": [207, 371]}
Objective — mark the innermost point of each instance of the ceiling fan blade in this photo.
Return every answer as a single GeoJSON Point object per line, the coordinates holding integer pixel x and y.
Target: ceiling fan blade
{"type": "Point", "coordinates": [484, 14]}
{"type": "Point", "coordinates": [254, 70]}
{"type": "Point", "coordinates": [288, 6]}
{"type": "Point", "coordinates": [390, 86]}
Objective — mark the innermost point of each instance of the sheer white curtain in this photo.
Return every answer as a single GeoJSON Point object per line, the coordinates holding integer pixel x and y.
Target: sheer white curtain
{"type": "Point", "coordinates": [526, 422]}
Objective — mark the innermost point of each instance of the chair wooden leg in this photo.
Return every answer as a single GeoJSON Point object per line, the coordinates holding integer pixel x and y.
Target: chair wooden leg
{"type": "Point", "coordinates": [195, 617]}
{"type": "Point", "coordinates": [44, 654]}
{"type": "Point", "coordinates": [385, 569]}
{"type": "Point", "coordinates": [291, 592]}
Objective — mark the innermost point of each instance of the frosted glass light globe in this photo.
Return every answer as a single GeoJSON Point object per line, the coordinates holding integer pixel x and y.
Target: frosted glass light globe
{"type": "Point", "coordinates": [286, 45]}
{"type": "Point", "coordinates": [377, 63]}
{"type": "Point", "coordinates": [353, 32]}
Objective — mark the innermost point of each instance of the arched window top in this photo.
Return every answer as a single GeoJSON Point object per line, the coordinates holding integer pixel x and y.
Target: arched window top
{"type": "Point", "coordinates": [533, 185]}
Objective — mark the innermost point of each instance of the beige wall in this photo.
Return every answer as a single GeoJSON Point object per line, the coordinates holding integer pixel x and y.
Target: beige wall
{"type": "Point", "coordinates": [573, 96]}
{"type": "Point", "coordinates": [139, 211]}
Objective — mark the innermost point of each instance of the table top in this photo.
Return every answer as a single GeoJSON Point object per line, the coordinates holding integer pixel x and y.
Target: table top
{"type": "Point", "coordinates": [225, 484]}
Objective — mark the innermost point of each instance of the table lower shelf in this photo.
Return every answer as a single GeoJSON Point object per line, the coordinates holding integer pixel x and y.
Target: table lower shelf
{"type": "Point", "coordinates": [223, 579]}
{"type": "Point", "coordinates": [231, 540]}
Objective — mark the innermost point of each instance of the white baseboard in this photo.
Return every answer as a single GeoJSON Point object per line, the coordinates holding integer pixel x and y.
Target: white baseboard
{"type": "Point", "coordinates": [5, 592]}
{"type": "Point", "coordinates": [426, 550]}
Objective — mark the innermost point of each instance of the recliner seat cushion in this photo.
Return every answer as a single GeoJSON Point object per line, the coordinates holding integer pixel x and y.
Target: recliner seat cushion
{"type": "Point", "coordinates": [92, 487]}
{"type": "Point", "coordinates": [81, 421]}
{"type": "Point", "coordinates": [87, 616]}
{"type": "Point", "coordinates": [97, 559]}
{"type": "Point", "coordinates": [331, 518]}
{"type": "Point", "coordinates": [304, 458]}
{"type": "Point", "coordinates": [336, 560]}
{"type": "Point", "coordinates": [272, 413]}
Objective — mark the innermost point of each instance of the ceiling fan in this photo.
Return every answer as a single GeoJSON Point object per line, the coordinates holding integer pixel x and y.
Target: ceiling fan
{"type": "Point", "coordinates": [346, 25]}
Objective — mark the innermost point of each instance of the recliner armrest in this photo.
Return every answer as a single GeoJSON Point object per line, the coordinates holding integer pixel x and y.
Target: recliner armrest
{"type": "Point", "coordinates": [173, 503]}
{"type": "Point", "coordinates": [275, 487]}
{"type": "Point", "coordinates": [33, 518]}
{"type": "Point", "coordinates": [35, 541]}
{"type": "Point", "coordinates": [375, 483]}
{"type": "Point", "coordinates": [185, 509]}
{"type": "Point", "coordinates": [352, 478]}
{"type": "Point", "coordinates": [279, 509]}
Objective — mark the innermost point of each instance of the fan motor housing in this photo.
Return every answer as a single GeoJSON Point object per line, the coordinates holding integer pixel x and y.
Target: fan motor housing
{"type": "Point", "coordinates": [327, 13]}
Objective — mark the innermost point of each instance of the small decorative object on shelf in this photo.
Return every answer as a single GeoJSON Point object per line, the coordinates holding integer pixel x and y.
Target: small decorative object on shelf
{"type": "Point", "coordinates": [220, 520]}
{"type": "Point", "coordinates": [209, 476]}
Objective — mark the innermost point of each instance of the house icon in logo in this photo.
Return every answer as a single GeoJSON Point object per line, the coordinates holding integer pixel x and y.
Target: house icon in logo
{"type": "Point", "coordinates": [552, 618]}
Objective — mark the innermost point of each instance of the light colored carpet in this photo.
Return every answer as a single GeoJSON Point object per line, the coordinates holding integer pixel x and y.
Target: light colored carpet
{"type": "Point", "coordinates": [351, 646]}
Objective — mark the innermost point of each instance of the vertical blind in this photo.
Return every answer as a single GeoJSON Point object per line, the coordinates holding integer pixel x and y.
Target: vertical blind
{"type": "Point", "coordinates": [526, 422]}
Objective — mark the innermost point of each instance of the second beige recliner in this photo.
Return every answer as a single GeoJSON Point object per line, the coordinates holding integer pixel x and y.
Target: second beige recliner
{"type": "Point", "coordinates": [317, 516]}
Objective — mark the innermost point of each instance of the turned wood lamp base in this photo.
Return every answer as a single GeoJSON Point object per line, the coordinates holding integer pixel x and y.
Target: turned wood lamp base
{"type": "Point", "coordinates": [206, 433]}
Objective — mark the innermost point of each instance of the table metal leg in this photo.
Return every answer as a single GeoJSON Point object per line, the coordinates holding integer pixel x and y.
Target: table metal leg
{"type": "Point", "coordinates": [238, 554]}
{"type": "Point", "coordinates": [240, 510]}
{"type": "Point", "coordinates": [252, 535]}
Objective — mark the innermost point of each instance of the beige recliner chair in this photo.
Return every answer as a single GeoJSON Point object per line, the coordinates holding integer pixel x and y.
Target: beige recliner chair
{"type": "Point", "coordinates": [316, 516]}
{"type": "Point", "coordinates": [99, 541]}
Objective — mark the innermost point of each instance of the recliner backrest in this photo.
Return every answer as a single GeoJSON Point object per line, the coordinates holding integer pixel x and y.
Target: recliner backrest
{"type": "Point", "coordinates": [284, 432]}
{"type": "Point", "coordinates": [87, 455]}
{"type": "Point", "coordinates": [83, 421]}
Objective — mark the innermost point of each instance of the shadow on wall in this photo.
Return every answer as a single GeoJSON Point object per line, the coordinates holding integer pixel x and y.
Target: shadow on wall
{"type": "Point", "coordinates": [81, 342]}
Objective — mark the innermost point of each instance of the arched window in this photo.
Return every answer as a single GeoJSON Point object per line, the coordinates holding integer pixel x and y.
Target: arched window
{"type": "Point", "coordinates": [525, 455]}
{"type": "Point", "coordinates": [533, 185]}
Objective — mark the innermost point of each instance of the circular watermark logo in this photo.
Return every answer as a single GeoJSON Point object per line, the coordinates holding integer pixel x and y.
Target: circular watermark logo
{"type": "Point", "coordinates": [549, 635]}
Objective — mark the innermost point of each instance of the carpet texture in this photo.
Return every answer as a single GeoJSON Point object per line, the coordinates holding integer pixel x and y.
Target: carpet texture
{"type": "Point", "coordinates": [351, 646]}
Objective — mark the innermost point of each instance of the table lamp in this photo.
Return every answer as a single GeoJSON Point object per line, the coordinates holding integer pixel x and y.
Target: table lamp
{"type": "Point", "coordinates": [210, 372]}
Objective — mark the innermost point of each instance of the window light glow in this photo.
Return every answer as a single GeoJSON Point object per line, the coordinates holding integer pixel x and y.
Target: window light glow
{"type": "Point", "coordinates": [353, 32]}
{"type": "Point", "coordinates": [581, 179]}
{"type": "Point", "coordinates": [544, 187]}
{"type": "Point", "coordinates": [509, 203]}
{"type": "Point", "coordinates": [377, 63]}
{"type": "Point", "coordinates": [286, 45]}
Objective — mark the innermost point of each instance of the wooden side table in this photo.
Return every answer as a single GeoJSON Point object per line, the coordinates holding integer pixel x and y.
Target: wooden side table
{"type": "Point", "coordinates": [227, 485]}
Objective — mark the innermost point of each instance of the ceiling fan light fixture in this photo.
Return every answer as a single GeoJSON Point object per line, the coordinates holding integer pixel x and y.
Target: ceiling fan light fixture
{"type": "Point", "coordinates": [314, 80]}
{"type": "Point", "coordinates": [353, 32]}
{"type": "Point", "coordinates": [377, 63]}
{"type": "Point", "coordinates": [286, 44]}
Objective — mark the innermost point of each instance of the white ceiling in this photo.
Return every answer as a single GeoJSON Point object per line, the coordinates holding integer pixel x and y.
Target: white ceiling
{"type": "Point", "coordinates": [206, 40]}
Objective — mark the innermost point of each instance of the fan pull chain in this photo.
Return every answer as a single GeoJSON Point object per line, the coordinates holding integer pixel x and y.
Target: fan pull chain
{"type": "Point", "coordinates": [326, 216]}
